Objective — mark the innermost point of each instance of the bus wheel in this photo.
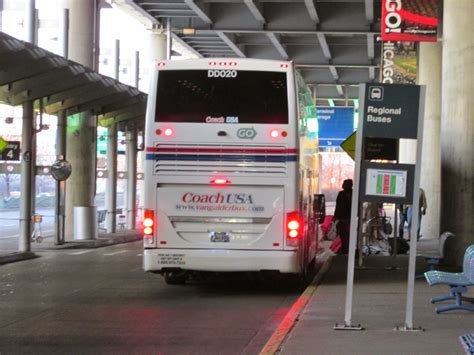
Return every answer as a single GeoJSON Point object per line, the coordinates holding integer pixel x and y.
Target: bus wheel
{"type": "Point", "coordinates": [175, 277]}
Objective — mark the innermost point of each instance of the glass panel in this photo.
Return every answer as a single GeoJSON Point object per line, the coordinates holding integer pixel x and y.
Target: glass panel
{"type": "Point", "coordinates": [205, 96]}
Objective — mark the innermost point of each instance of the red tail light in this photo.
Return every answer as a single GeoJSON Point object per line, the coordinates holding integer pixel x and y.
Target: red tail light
{"type": "Point", "coordinates": [220, 181]}
{"type": "Point", "coordinates": [294, 227]}
{"type": "Point", "coordinates": [149, 225]}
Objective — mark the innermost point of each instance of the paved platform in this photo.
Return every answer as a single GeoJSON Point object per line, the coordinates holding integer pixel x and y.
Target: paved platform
{"type": "Point", "coordinates": [379, 306]}
{"type": "Point", "coordinates": [104, 239]}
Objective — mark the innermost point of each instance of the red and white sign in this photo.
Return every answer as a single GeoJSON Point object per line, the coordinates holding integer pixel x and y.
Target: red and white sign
{"type": "Point", "coordinates": [410, 20]}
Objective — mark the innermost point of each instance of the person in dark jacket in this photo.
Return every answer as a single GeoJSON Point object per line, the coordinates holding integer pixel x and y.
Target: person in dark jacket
{"type": "Point", "coordinates": [342, 214]}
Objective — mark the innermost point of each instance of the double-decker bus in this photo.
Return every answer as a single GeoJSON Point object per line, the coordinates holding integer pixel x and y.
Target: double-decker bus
{"type": "Point", "coordinates": [230, 172]}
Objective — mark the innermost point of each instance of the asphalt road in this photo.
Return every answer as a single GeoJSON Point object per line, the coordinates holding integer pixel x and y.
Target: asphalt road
{"type": "Point", "coordinates": [96, 301]}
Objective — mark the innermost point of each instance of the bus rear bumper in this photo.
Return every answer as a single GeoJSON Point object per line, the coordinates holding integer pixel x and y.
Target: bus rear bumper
{"type": "Point", "coordinates": [156, 260]}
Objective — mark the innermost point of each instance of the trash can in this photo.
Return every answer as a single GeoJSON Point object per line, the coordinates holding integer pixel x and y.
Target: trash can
{"type": "Point", "coordinates": [85, 223]}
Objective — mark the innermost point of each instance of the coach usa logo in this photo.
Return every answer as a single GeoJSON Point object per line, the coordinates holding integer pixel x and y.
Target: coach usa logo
{"type": "Point", "coordinates": [246, 133]}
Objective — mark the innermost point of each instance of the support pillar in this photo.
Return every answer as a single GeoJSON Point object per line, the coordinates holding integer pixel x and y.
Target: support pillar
{"type": "Point", "coordinates": [60, 185]}
{"type": "Point", "coordinates": [155, 50]}
{"type": "Point", "coordinates": [429, 74]}
{"type": "Point", "coordinates": [457, 125]}
{"type": "Point", "coordinates": [111, 188]}
{"type": "Point", "coordinates": [131, 136]}
{"type": "Point", "coordinates": [27, 172]}
{"type": "Point", "coordinates": [81, 131]}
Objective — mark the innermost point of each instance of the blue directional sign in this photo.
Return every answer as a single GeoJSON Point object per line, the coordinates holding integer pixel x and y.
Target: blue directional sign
{"type": "Point", "coordinates": [335, 125]}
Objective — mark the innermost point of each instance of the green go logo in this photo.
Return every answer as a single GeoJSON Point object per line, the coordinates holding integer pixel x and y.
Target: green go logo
{"type": "Point", "coordinates": [246, 133]}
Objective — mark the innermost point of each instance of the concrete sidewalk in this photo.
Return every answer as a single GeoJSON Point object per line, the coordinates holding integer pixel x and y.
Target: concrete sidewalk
{"type": "Point", "coordinates": [104, 239]}
{"type": "Point", "coordinates": [379, 306]}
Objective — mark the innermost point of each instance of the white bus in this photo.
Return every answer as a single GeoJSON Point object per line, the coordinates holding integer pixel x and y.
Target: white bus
{"type": "Point", "coordinates": [230, 172]}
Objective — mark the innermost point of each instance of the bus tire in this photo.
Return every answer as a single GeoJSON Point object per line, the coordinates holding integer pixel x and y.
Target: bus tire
{"type": "Point", "coordinates": [175, 277]}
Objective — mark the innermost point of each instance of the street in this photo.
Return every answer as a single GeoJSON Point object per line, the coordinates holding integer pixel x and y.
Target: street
{"type": "Point", "coordinates": [100, 301]}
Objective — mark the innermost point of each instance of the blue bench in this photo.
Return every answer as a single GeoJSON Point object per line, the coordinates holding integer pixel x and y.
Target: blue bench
{"type": "Point", "coordinates": [467, 341]}
{"type": "Point", "coordinates": [458, 282]}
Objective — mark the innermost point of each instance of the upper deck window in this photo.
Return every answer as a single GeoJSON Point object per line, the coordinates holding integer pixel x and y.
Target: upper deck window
{"type": "Point", "coordinates": [222, 96]}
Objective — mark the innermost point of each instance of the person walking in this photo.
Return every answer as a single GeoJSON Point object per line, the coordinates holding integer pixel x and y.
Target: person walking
{"type": "Point", "coordinates": [406, 215]}
{"type": "Point", "coordinates": [422, 211]}
{"type": "Point", "coordinates": [342, 214]}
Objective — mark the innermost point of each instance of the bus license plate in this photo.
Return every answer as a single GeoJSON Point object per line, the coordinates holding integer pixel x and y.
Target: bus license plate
{"type": "Point", "coordinates": [220, 237]}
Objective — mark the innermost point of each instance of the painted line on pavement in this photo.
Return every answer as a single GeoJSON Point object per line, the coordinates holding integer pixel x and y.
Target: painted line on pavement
{"type": "Point", "coordinates": [116, 252]}
{"type": "Point", "coordinates": [11, 236]}
{"type": "Point", "coordinates": [276, 341]}
{"type": "Point", "coordinates": [80, 252]}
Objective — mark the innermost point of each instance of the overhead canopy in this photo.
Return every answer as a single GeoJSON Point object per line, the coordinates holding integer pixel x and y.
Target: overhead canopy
{"type": "Point", "coordinates": [332, 42]}
{"type": "Point", "coordinates": [28, 72]}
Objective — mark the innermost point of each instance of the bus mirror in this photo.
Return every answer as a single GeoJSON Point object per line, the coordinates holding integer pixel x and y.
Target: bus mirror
{"type": "Point", "coordinates": [319, 207]}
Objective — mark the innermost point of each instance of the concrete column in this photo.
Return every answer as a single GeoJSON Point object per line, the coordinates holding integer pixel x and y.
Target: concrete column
{"type": "Point", "coordinates": [132, 176]}
{"type": "Point", "coordinates": [156, 47]}
{"type": "Point", "coordinates": [457, 125]}
{"type": "Point", "coordinates": [27, 172]}
{"type": "Point", "coordinates": [111, 188]}
{"type": "Point", "coordinates": [64, 38]}
{"type": "Point", "coordinates": [81, 131]}
{"type": "Point", "coordinates": [82, 31]}
{"type": "Point", "coordinates": [81, 153]}
{"type": "Point", "coordinates": [30, 21]}
{"type": "Point", "coordinates": [429, 74]}
{"type": "Point", "coordinates": [155, 50]}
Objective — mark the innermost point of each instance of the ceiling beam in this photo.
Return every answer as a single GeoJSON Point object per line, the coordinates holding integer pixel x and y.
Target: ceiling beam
{"type": "Point", "coordinates": [180, 40]}
{"type": "Point", "coordinates": [371, 73]}
{"type": "Point", "coordinates": [313, 14]}
{"type": "Point", "coordinates": [334, 73]}
{"type": "Point", "coordinates": [200, 12]}
{"type": "Point", "coordinates": [275, 39]}
{"type": "Point", "coordinates": [324, 46]}
{"type": "Point", "coordinates": [254, 9]}
{"type": "Point", "coordinates": [370, 47]}
{"type": "Point", "coordinates": [285, 31]}
{"type": "Point", "coordinates": [345, 66]}
{"type": "Point", "coordinates": [229, 40]}
{"type": "Point", "coordinates": [369, 11]}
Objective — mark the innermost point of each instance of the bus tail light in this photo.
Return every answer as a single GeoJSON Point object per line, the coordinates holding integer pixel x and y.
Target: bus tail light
{"type": "Point", "coordinates": [148, 226]}
{"type": "Point", "coordinates": [167, 132]}
{"type": "Point", "coordinates": [294, 228]}
{"type": "Point", "coordinates": [220, 181]}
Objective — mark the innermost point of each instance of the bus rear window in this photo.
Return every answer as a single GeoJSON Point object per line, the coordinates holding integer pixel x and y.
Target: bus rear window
{"type": "Point", "coordinates": [222, 96]}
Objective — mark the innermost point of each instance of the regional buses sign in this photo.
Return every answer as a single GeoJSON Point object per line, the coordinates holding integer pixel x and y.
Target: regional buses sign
{"type": "Point", "coordinates": [391, 110]}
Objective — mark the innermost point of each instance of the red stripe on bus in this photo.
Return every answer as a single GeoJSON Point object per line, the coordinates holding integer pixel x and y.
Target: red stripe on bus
{"type": "Point", "coordinates": [221, 150]}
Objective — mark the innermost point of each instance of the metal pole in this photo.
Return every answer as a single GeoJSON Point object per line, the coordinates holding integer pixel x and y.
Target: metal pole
{"type": "Point", "coordinates": [416, 211]}
{"type": "Point", "coordinates": [30, 21]}
{"type": "Point", "coordinates": [60, 185]}
{"type": "Point", "coordinates": [111, 187]}
{"type": "Point", "coordinates": [64, 28]}
{"type": "Point", "coordinates": [132, 177]}
{"type": "Point", "coordinates": [353, 231]}
{"type": "Point", "coordinates": [117, 60]}
{"type": "Point", "coordinates": [168, 39]}
{"type": "Point", "coordinates": [1, 10]}
{"type": "Point", "coordinates": [26, 176]}
{"type": "Point", "coordinates": [136, 69]}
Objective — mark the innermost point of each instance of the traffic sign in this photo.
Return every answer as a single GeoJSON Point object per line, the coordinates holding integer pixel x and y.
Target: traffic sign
{"type": "Point", "coordinates": [11, 151]}
{"type": "Point", "coordinates": [349, 145]}
{"type": "Point", "coordinates": [3, 144]}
